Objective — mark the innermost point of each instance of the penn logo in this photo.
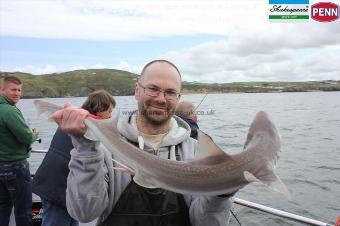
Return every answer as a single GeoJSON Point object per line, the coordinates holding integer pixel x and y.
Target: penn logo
{"type": "Point", "coordinates": [325, 12]}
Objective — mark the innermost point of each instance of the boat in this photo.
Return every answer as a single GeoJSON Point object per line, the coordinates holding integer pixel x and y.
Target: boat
{"type": "Point", "coordinates": [37, 211]}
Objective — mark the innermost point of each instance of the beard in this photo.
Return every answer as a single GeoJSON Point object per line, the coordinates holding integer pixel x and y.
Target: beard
{"type": "Point", "coordinates": [156, 113]}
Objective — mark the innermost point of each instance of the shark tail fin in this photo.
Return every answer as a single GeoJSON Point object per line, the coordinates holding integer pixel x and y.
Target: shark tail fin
{"type": "Point", "coordinates": [263, 140]}
{"type": "Point", "coordinates": [45, 108]}
{"type": "Point", "coordinates": [270, 179]}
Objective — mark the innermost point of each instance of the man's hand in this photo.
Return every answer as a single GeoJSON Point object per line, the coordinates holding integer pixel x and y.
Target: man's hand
{"type": "Point", "coordinates": [71, 120]}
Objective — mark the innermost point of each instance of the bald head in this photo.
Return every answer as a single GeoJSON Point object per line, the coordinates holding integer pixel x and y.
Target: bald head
{"type": "Point", "coordinates": [186, 109]}
{"type": "Point", "coordinates": [162, 62]}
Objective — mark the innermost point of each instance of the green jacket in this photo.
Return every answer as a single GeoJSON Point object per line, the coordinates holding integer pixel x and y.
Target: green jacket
{"type": "Point", "coordinates": [15, 135]}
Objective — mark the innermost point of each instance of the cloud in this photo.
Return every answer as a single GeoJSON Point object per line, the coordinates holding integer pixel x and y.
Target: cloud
{"type": "Point", "coordinates": [252, 48]}
{"type": "Point", "coordinates": [78, 67]}
{"type": "Point", "coordinates": [124, 20]}
{"type": "Point", "coordinates": [125, 66]}
{"type": "Point", "coordinates": [217, 61]}
{"type": "Point", "coordinates": [98, 66]}
{"type": "Point", "coordinates": [47, 69]}
{"type": "Point", "coordinates": [135, 20]}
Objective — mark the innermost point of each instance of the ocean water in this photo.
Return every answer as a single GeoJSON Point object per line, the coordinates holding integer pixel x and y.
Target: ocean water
{"type": "Point", "coordinates": [309, 164]}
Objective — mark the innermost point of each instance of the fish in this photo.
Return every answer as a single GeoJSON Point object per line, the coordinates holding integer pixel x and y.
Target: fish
{"type": "Point", "coordinates": [211, 172]}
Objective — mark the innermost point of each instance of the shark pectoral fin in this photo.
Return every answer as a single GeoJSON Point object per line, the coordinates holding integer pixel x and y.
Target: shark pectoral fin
{"type": "Point", "coordinates": [272, 181]}
{"type": "Point", "coordinates": [144, 180]}
{"type": "Point", "coordinates": [279, 186]}
{"type": "Point", "coordinates": [207, 147]}
{"type": "Point", "coordinates": [249, 177]}
{"type": "Point", "coordinates": [123, 167]}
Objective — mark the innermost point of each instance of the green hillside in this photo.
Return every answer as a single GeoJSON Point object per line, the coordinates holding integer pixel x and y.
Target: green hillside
{"type": "Point", "coordinates": [262, 87]}
{"type": "Point", "coordinates": [82, 82]}
{"type": "Point", "coordinates": [76, 83]}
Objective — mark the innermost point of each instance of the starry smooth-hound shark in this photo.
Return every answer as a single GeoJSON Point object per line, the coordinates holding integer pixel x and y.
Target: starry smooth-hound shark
{"type": "Point", "coordinates": [212, 172]}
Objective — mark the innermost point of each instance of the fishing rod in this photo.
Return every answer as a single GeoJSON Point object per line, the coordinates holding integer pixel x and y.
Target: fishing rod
{"type": "Point", "coordinates": [232, 212]}
{"type": "Point", "coordinates": [202, 100]}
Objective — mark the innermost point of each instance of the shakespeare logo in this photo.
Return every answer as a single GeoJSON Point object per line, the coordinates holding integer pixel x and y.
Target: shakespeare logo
{"type": "Point", "coordinates": [288, 10]}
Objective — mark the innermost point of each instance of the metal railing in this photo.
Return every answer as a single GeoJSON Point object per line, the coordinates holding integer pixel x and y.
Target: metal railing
{"type": "Point", "coordinates": [280, 213]}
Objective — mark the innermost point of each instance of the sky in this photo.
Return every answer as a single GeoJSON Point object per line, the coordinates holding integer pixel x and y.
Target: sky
{"type": "Point", "coordinates": [213, 41]}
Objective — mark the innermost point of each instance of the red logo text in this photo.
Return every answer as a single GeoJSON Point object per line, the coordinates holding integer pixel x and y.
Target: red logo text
{"type": "Point", "coordinates": [325, 12]}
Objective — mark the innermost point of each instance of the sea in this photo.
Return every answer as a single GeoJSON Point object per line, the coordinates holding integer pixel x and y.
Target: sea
{"type": "Point", "coordinates": [309, 163]}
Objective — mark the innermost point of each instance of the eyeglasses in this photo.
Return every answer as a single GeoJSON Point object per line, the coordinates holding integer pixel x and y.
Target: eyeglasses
{"type": "Point", "coordinates": [169, 94]}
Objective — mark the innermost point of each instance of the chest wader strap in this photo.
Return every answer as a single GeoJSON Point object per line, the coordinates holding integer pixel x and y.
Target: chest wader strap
{"type": "Point", "coordinates": [178, 157]}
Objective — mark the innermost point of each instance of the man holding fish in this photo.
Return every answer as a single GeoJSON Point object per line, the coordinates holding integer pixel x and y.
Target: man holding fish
{"type": "Point", "coordinates": [100, 188]}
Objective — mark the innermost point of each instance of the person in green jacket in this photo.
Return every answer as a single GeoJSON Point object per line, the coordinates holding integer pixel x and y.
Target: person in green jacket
{"type": "Point", "coordinates": [15, 145]}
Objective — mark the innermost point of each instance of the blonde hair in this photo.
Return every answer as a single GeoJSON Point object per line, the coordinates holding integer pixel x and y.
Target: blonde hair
{"type": "Point", "coordinates": [11, 79]}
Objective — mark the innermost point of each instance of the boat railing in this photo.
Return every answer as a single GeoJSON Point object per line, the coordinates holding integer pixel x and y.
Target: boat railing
{"type": "Point", "coordinates": [262, 208]}
{"type": "Point", "coordinates": [280, 213]}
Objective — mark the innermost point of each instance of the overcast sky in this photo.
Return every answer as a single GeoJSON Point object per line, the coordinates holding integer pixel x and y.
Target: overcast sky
{"type": "Point", "coordinates": [210, 41]}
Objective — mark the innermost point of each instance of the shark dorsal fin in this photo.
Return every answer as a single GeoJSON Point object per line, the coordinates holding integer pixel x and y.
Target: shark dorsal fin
{"type": "Point", "coordinates": [207, 147]}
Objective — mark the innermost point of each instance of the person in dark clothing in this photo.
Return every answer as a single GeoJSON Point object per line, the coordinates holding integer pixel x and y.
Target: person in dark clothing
{"type": "Point", "coordinates": [15, 147]}
{"type": "Point", "coordinates": [187, 111]}
{"type": "Point", "coordinates": [50, 179]}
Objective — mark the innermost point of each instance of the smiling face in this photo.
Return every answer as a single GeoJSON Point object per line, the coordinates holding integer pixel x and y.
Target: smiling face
{"type": "Point", "coordinates": [12, 91]}
{"type": "Point", "coordinates": [158, 76]}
